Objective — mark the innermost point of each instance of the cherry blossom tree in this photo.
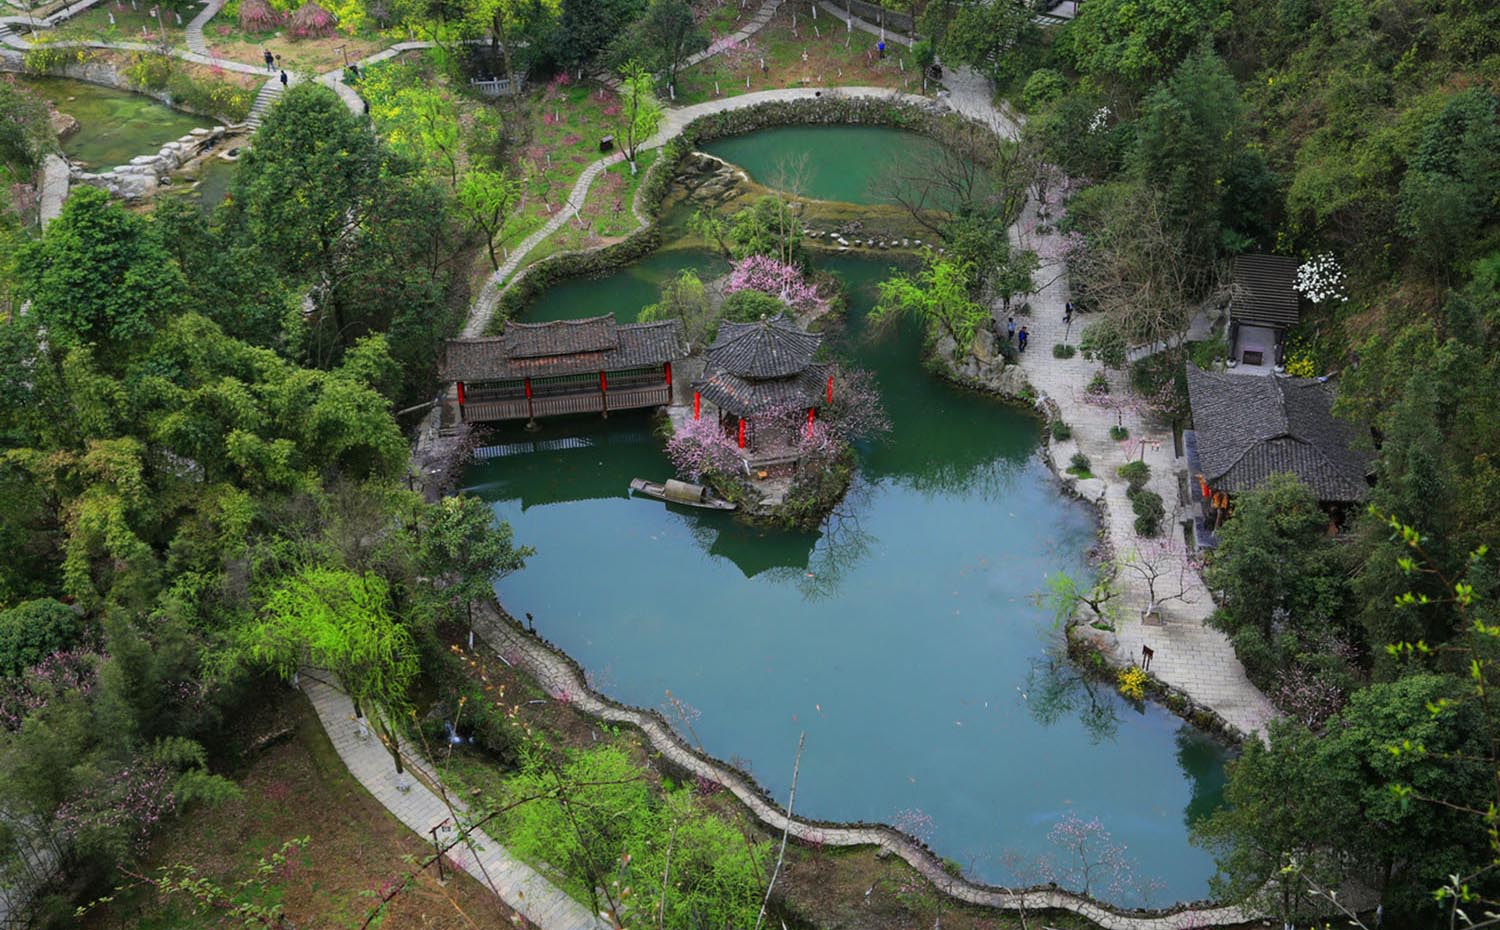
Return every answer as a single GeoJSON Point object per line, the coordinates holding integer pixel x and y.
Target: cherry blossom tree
{"type": "Point", "coordinates": [782, 280]}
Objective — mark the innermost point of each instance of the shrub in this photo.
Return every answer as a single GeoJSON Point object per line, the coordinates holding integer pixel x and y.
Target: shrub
{"type": "Point", "coordinates": [259, 16]}
{"type": "Point", "coordinates": [1136, 474]}
{"type": "Point", "coordinates": [1098, 384]}
{"type": "Point", "coordinates": [33, 630]}
{"type": "Point", "coordinates": [1149, 511]}
{"type": "Point", "coordinates": [748, 305]}
{"type": "Point", "coordinates": [149, 71]}
{"type": "Point", "coordinates": [1080, 463]}
{"type": "Point", "coordinates": [1044, 86]}
{"type": "Point", "coordinates": [1118, 433]}
{"type": "Point", "coordinates": [1063, 350]}
{"type": "Point", "coordinates": [1132, 682]}
{"type": "Point", "coordinates": [1209, 352]}
{"type": "Point", "coordinates": [311, 21]}
{"type": "Point", "coordinates": [1061, 430]}
{"type": "Point", "coordinates": [1103, 342]}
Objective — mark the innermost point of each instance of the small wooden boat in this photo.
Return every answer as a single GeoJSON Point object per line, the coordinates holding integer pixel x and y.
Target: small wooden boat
{"type": "Point", "coordinates": [680, 492]}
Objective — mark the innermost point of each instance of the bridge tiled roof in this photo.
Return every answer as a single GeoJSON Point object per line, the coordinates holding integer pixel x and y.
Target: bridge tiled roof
{"type": "Point", "coordinates": [562, 347]}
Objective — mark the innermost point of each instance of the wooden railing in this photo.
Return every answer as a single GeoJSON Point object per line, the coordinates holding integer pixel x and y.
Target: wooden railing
{"type": "Point", "coordinates": [559, 405]}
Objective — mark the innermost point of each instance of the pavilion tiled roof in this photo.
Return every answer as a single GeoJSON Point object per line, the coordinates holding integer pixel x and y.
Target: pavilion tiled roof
{"type": "Point", "coordinates": [743, 397]}
{"type": "Point", "coordinates": [562, 347]}
{"type": "Point", "coordinates": [773, 348]}
{"type": "Point", "coordinates": [1264, 292]}
{"type": "Point", "coordinates": [1250, 427]}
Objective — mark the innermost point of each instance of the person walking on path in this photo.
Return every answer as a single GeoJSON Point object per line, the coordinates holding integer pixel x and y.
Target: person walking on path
{"type": "Point", "coordinates": [1010, 328]}
{"type": "Point", "coordinates": [1068, 313]}
{"type": "Point", "coordinates": [283, 80]}
{"type": "Point", "coordinates": [1021, 339]}
{"type": "Point", "coordinates": [270, 61]}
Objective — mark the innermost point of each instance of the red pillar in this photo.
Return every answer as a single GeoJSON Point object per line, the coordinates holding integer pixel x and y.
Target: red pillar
{"type": "Point", "coordinates": [742, 432]}
{"type": "Point", "coordinates": [697, 404]}
{"type": "Point", "coordinates": [830, 389]}
{"type": "Point", "coordinates": [669, 374]}
{"type": "Point", "coordinates": [604, 392]}
{"type": "Point", "coordinates": [530, 413]}
{"type": "Point", "coordinates": [460, 401]}
{"type": "Point", "coordinates": [812, 413]}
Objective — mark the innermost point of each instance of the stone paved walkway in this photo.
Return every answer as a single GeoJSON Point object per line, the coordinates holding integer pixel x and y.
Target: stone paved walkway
{"type": "Point", "coordinates": [519, 885]}
{"type": "Point", "coordinates": [1189, 655]}
{"type": "Point", "coordinates": [193, 34]}
{"type": "Point", "coordinates": [675, 120]}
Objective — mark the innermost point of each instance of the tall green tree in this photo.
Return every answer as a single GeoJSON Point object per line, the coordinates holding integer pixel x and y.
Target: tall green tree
{"type": "Point", "coordinates": [1282, 581]}
{"type": "Point", "coordinates": [465, 551]}
{"type": "Point", "coordinates": [100, 277]}
{"type": "Point", "coordinates": [487, 199]}
{"type": "Point", "coordinates": [640, 112]}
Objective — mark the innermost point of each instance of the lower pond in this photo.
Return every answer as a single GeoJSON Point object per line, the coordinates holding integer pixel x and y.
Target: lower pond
{"type": "Point", "coordinates": [114, 125]}
{"type": "Point", "coordinates": [903, 637]}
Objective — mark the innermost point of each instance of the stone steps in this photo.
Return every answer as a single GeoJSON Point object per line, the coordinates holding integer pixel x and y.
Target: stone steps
{"type": "Point", "coordinates": [270, 92]}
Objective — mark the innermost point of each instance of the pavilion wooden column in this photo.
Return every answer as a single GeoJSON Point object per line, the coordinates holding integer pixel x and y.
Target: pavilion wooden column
{"type": "Point", "coordinates": [742, 432]}
{"type": "Point", "coordinates": [604, 392]}
{"type": "Point", "coordinates": [460, 401]}
{"type": "Point", "coordinates": [530, 413]}
{"type": "Point", "coordinates": [697, 404]}
{"type": "Point", "coordinates": [830, 389]}
{"type": "Point", "coordinates": [812, 413]}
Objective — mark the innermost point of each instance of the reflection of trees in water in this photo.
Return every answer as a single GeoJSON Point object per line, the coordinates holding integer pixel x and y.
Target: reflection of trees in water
{"type": "Point", "coordinates": [1055, 689]}
{"type": "Point", "coordinates": [1201, 758]}
{"type": "Point", "coordinates": [845, 544]}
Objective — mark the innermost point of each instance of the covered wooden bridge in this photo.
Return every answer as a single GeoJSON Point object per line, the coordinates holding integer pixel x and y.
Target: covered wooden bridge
{"type": "Point", "coordinates": [567, 366]}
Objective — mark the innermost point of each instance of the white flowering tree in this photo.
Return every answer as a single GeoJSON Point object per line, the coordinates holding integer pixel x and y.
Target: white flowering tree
{"type": "Point", "coordinates": [1321, 279]}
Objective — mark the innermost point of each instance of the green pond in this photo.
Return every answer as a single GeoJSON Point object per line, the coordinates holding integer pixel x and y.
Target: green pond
{"type": "Point", "coordinates": [845, 163]}
{"type": "Point", "coordinates": [115, 125]}
{"type": "Point", "coordinates": [903, 636]}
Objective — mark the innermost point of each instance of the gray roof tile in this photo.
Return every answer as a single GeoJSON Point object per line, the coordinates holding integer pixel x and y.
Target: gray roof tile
{"type": "Point", "coordinates": [1250, 427]}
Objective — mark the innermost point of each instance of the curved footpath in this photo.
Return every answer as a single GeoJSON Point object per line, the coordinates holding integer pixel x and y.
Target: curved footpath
{"type": "Point", "coordinates": [1190, 656]}
{"type": "Point", "coordinates": [520, 886]}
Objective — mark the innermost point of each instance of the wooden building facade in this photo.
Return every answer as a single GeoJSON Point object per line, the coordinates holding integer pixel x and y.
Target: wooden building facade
{"type": "Point", "coordinates": [567, 366]}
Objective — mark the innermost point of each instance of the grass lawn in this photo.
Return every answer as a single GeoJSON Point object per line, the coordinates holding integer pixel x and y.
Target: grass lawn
{"type": "Point", "coordinates": [300, 787]}
{"type": "Point", "coordinates": [225, 40]}
{"type": "Point", "coordinates": [94, 24]}
{"type": "Point", "coordinates": [606, 216]}
{"type": "Point", "coordinates": [836, 57]}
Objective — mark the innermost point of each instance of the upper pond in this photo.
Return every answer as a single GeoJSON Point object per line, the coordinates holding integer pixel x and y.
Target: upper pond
{"type": "Point", "coordinates": [846, 163]}
{"type": "Point", "coordinates": [903, 637]}
{"type": "Point", "coordinates": [115, 125]}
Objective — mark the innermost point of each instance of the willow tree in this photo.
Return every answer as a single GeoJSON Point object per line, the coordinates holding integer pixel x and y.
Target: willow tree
{"type": "Point", "coordinates": [938, 296]}
{"type": "Point", "coordinates": [339, 620]}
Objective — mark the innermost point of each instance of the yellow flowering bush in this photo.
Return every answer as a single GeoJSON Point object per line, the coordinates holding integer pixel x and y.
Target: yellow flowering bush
{"type": "Point", "coordinates": [1131, 682]}
{"type": "Point", "coordinates": [1301, 361]}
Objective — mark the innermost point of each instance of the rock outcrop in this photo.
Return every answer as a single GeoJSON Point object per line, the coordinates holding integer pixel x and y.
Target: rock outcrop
{"type": "Point", "coordinates": [145, 173]}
